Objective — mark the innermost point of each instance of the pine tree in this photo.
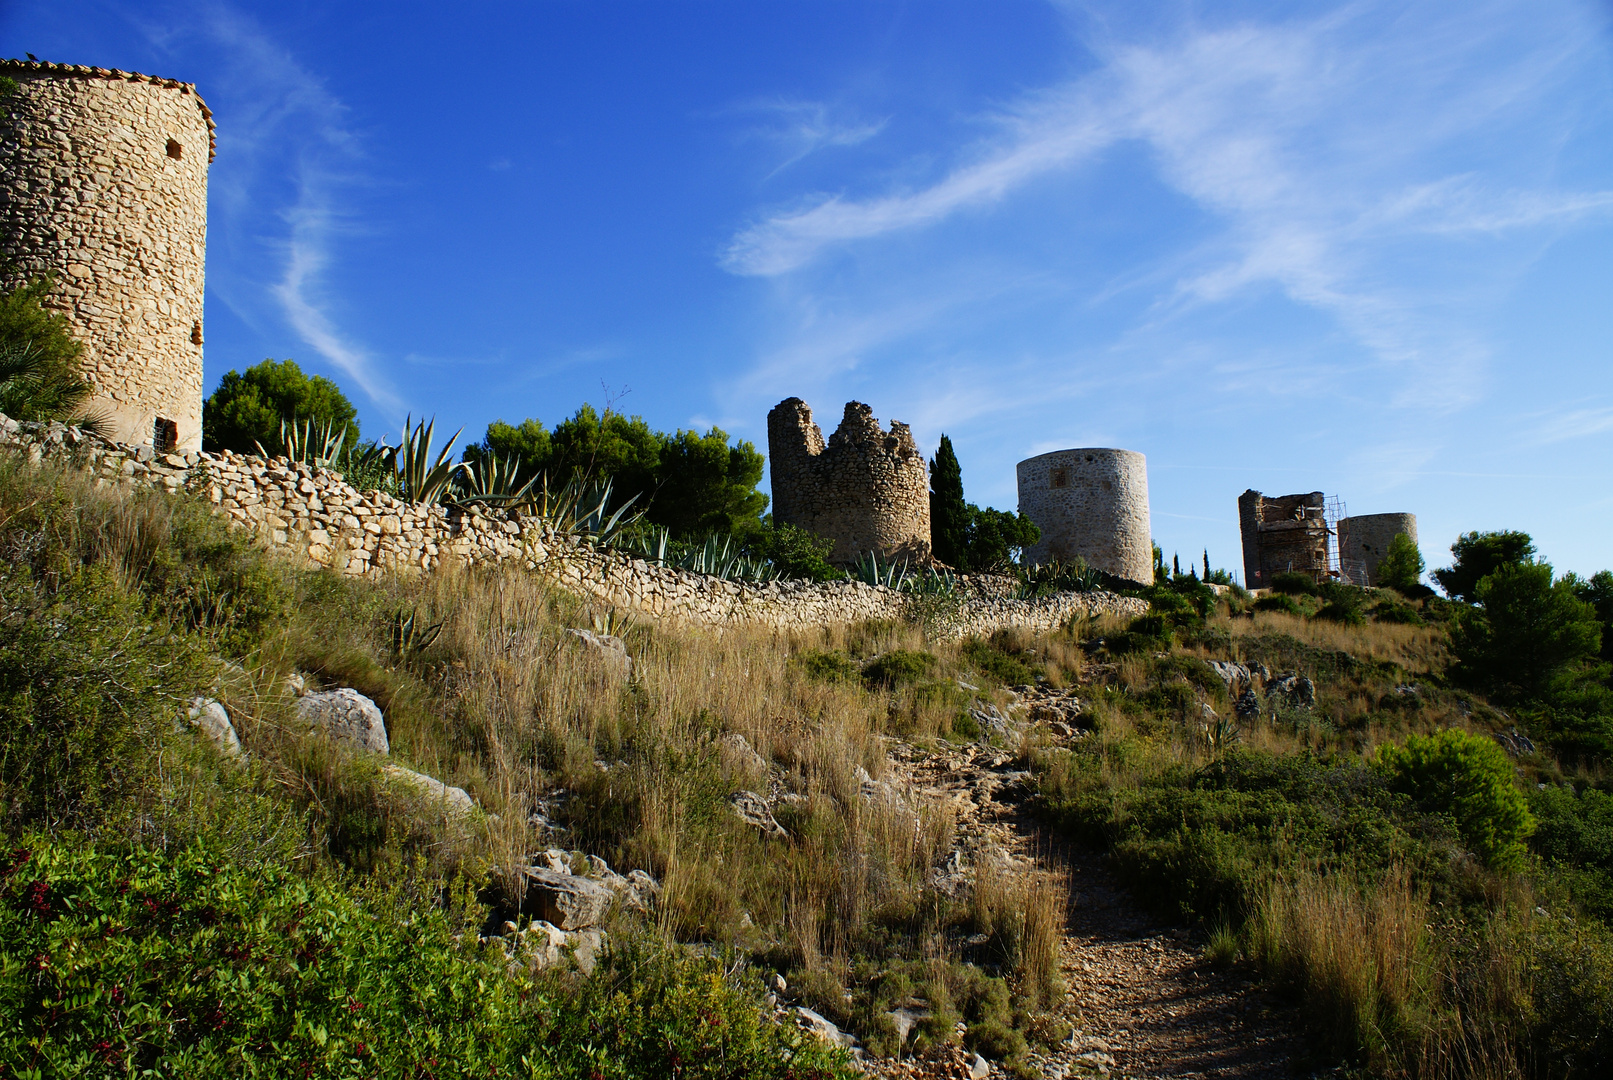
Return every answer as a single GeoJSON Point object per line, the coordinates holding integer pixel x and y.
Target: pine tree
{"type": "Point", "coordinates": [949, 514]}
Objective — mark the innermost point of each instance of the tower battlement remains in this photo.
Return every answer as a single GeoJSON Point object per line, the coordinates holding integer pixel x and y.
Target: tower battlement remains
{"type": "Point", "coordinates": [866, 489]}
{"type": "Point", "coordinates": [103, 186]}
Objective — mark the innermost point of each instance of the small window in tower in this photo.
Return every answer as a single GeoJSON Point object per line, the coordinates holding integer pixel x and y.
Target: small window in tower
{"type": "Point", "coordinates": [1058, 478]}
{"type": "Point", "coordinates": [175, 151]}
{"type": "Point", "coordinates": [164, 436]}
{"type": "Point", "coordinates": [196, 332]}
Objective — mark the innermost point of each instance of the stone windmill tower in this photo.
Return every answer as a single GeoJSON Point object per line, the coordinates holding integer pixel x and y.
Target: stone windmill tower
{"type": "Point", "coordinates": [103, 185]}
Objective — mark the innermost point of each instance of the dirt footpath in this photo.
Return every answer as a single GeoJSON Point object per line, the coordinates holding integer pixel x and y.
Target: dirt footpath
{"type": "Point", "coordinates": [1141, 1000]}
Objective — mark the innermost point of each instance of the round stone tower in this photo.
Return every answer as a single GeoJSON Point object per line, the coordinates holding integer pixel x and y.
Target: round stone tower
{"type": "Point", "coordinates": [866, 490]}
{"type": "Point", "coordinates": [1091, 504]}
{"type": "Point", "coordinates": [1365, 540]}
{"type": "Point", "coordinates": [103, 186]}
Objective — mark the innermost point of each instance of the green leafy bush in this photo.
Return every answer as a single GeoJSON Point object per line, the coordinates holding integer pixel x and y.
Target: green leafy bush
{"type": "Point", "coordinates": [997, 663]}
{"type": "Point", "coordinates": [89, 692]}
{"type": "Point", "coordinates": [180, 964]}
{"type": "Point", "coordinates": [1278, 602]}
{"type": "Point", "coordinates": [828, 666]}
{"type": "Point", "coordinates": [247, 407]}
{"type": "Point", "coordinates": [898, 667]}
{"type": "Point", "coordinates": [1295, 583]}
{"type": "Point", "coordinates": [1469, 778]}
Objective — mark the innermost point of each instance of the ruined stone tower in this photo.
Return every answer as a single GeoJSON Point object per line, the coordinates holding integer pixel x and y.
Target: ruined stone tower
{"type": "Point", "coordinates": [103, 185]}
{"type": "Point", "coordinates": [1364, 540]}
{"type": "Point", "coordinates": [1283, 533]}
{"type": "Point", "coordinates": [1090, 504]}
{"type": "Point", "coordinates": [866, 490]}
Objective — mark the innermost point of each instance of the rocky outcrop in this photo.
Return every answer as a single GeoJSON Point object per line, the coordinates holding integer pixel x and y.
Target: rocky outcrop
{"type": "Point", "coordinates": [454, 800]}
{"type": "Point", "coordinates": [347, 717]}
{"type": "Point", "coordinates": [569, 901]}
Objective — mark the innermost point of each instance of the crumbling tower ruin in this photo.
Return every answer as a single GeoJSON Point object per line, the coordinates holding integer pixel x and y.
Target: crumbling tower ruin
{"type": "Point", "coordinates": [866, 490]}
{"type": "Point", "coordinates": [1364, 540]}
{"type": "Point", "coordinates": [103, 185]}
{"type": "Point", "coordinates": [1090, 504]}
{"type": "Point", "coordinates": [1282, 534]}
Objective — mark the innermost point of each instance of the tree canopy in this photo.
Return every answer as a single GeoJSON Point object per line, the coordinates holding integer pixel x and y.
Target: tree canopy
{"type": "Point", "coordinates": [1401, 567]}
{"type": "Point", "coordinates": [248, 406]}
{"type": "Point", "coordinates": [1527, 633]}
{"type": "Point", "coordinates": [964, 536]}
{"type": "Point", "coordinates": [1479, 554]}
{"type": "Point", "coordinates": [691, 483]}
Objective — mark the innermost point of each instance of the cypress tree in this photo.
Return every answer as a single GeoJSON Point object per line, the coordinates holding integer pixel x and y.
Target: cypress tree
{"type": "Point", "coordinates": [1206, 564]}
{"type": "Point", "coordinates": [949, 514]}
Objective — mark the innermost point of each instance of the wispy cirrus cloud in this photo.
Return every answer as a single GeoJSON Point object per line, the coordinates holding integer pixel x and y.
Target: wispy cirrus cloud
{"type": "Point", "coordinates": [290, 160]}
{"type": "Point", "coordinates": [1329, 152]}
{"type": "Point", "coordinates": [801, 128]}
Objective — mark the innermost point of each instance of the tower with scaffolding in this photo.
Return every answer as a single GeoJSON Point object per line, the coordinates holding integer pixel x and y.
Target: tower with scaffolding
{"type": "Point", "coordinates": [1288, 534]}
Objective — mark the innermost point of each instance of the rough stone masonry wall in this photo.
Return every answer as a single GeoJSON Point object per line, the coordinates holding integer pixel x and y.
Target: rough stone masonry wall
{"type": "Point", "coordinates": [103, 185]}
{"type": "Point", "coordinates": [1364, 540]}
{"type": "Point", "coordinates": [315, 515]}
{"type": "Point", "coordinates": [1091, 504]}
{"type": "Point", "coordinates": [866, 490]}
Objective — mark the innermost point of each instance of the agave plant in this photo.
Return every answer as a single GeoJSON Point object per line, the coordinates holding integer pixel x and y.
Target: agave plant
{"type": "Point", "coordinates": [309, 442]}
{"type": "Point", "coordinates": [868, 570]}
{"type": "Point", "coordinates": [422, 478]}
{"type": "Point", "coordinates": [492, 480]}
{"type": "Point", "coordinates": [581, 510]}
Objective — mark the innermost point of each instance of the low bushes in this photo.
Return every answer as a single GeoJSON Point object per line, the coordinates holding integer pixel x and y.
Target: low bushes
{"type": "Point", "coordinates": [181, 964]}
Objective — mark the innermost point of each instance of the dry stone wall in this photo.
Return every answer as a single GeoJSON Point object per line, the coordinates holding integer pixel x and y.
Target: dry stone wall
{"type": "Point", "coordinates": [315, 515]}
{"type": "Point", "coordinates": [103, 185]}
{"type": "Point", "coordinates": [867, 490]}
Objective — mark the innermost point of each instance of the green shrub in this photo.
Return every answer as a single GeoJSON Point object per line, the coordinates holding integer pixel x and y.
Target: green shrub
{"type": "Point", "coordinates": [827, 666]}
{"type": "Point", "coordinates": [1574, 835]}
{"type": "Point", "coordinates": [898, 668]}
{"type": "Point", "coordinates": [996, 663]}
{"type": "Point", "coordinates": [89, 692]}
{"type": "Point", "coordinates": [1278, 602]}
{"type": "Point", "coordinates": [180, 964]}
{"type": "Point", "coordinates": [1469, 778]}
{"type": "Point", "coordinates": [1295, 583]}
{"type": "Point", "coordinates": [1401, 614]}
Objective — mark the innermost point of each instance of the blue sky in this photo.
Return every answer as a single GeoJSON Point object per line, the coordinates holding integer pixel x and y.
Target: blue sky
{"type": "Point", "coordinates": [1365, 248]}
